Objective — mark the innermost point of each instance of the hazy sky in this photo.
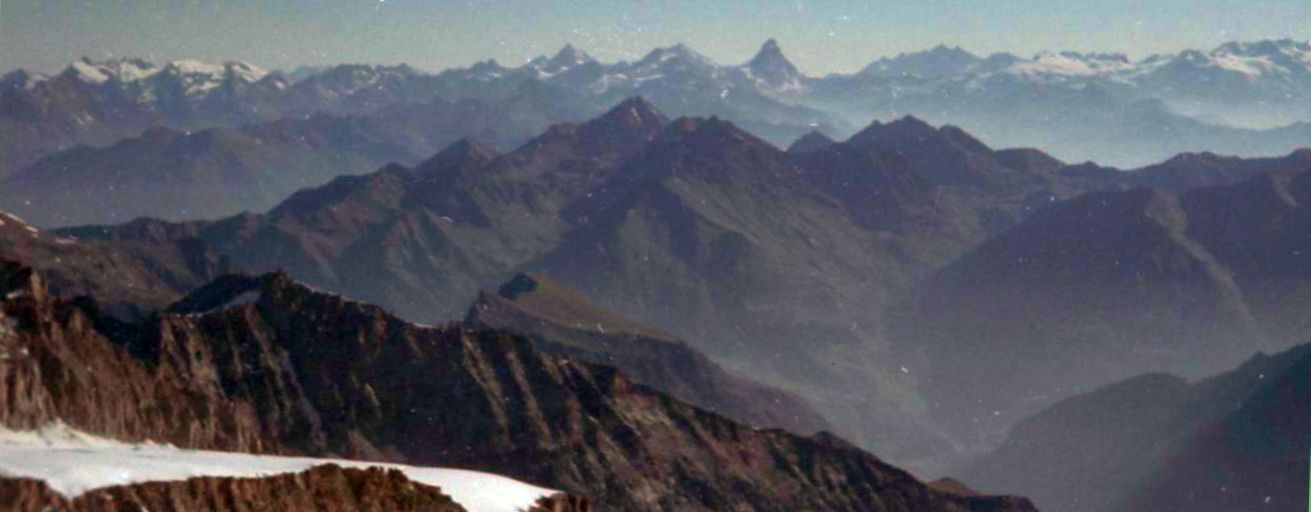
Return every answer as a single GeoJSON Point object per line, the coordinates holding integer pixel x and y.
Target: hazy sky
{"type": "Point", "coordinates": [819, 35]}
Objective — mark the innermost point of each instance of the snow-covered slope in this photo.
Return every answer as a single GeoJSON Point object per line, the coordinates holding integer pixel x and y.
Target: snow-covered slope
{"type": "Point", "coordinates": [72, 462]}
{"type": "Point", "coordinates": [193, 77]}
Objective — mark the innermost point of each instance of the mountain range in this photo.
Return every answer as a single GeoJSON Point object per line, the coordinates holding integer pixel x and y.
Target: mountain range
{"type": "Point", "coordinates": [1234, 441]}
{"type": "Point", "coordinates": [1122, 281]}
{"type": "Point", "coordinates": [826, 271]}
{"type": "Point", "coordinates": [1238, 83]}
{"type": "Point", "coordinates": [262, 364]}
{"type": "Point", "coordinates": [1248, 99]}
{"type": "Point", "coordinates": [182, 174]}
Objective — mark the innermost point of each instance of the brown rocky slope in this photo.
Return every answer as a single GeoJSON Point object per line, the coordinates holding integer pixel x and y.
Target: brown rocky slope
{"type": "Point", "coordinates": [266, 364]}
{"type": "Point", "coordinates": [326, 488]}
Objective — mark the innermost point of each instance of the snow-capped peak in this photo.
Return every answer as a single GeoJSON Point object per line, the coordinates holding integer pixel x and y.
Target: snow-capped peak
{"type": "Point", "coordinates": [21, 79]}
{"type": "Point", "coordinates": [1071, 64]}
{"type": "Point", "coordinates": [1267, 47]}
{"type": "Point", "coordinates": [679, 52]}
{"type": "Point", "coordinates": [195, 77]}
{"type": "Point", "coordinates": [88, 72]}
{"type": "Point", "coordinates": [770, 59]}
{"type": "Point", "coordinates": [770, 53]}
{"type": "Point", "coordinates": [772, 71]}
{"type": "Point", "coordinates": [240, 70]}
{"type": "Point", "coordinates": [569, 56]}
{"type": "Point", "coordinates": [938, 62]}
{"type": "Point", "coordinates": [198, 78]}
{"type": "Point", "coordinates": [1284, 56]}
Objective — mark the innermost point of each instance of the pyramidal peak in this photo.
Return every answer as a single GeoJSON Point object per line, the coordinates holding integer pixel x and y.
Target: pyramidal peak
{"type": "Point", "coordinates": [815, 140]}
{"type": "Point", "coordinates": [771, 56]}
{"type": "Point", "coordinates": [633, 112]}
{"type": "Point", "coordinates": [771, 69]}
{"type": "Point", "coordinates": [570, 55]}
{"type": "Point", "coordinates": [466, 151]}
{"type": "Point", "coordinates": [769, 49]}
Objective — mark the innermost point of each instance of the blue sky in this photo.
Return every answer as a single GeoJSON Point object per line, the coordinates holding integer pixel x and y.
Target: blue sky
{"type": "Point", "coordinates": [821, 36]}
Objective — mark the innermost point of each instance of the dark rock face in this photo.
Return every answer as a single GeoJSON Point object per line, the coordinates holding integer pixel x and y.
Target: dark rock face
{"type": "Point", "coordinates": [1255, 457]}
{"type": "Point", "coordinates": [562, 322]}
{"type": "Point", "coordinates": [297, 370]}
{"type": "Point", "coordinates": [1236, 441]}
{"type": "Point", "coordinates": [813, 141]}
{"type": "Point", "coordinates": [325, 488]}
{"type": "Point", "coordinates": [130, 278]}
{"type": "Point", "coordinates": [58, 367]}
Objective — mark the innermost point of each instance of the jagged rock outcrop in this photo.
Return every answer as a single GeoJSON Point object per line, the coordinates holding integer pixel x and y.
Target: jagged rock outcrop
{"type": "Point", "coordinates": [326, 488]}
{"type": "Point", "coordinates": [320, 374]}
{"type": "Point", "coordinates": [57, 367]}
{"type": "Point", "coordinates": [488, 400]}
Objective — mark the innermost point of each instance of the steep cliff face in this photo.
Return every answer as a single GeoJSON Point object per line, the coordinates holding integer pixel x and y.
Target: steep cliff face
{"type": "Point", "coordinates": [56, 366]}
{"type": "Point", "coordinates": [562, 322]}
{"type": "Point", "coordinates": [264, 363]}
{"type": "Point", "coordinates": [321, 489]}
{"type": "Point", "coordinates": [381, 387]}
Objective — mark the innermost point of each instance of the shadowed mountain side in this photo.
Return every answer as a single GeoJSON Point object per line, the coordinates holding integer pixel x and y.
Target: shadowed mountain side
{"type": "Point", "coordinates": [132, 277]}
{"type": "Point", "coordinates": [183, 175]}
{"type": "Point", "coordinates": [264, 363]}
{"type": "Point", "coordinates": [1098, 288]}
{"type": "Point", "coordinates": [561, 321]}
{"type": "Point", "coordinates": [1235, 441]}
{"type": "Point", "coordinates": [789, 267]}
{"type": "Point", "coordinates": [1117, 283]}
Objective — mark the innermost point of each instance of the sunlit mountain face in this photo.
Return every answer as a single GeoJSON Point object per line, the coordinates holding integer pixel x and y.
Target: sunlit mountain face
{"type": "Point", "coordinates": [291, 257]}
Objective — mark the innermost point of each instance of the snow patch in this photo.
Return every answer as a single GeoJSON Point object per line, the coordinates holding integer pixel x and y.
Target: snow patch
{"type": "Point", "coordinates": [1070, 64]}
{"type": "Point", "coordinates": [14, 218]}
{"type": "Point", "coordinates": [89, 73]}
{"type": "Point", "coordinates": [249, 297]}
{"type": "Point", "coordinates": [73, 462]}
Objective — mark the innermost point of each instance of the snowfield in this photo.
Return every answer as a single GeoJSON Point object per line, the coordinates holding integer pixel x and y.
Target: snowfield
{"type": "Point", "coordinates": [73, 462]}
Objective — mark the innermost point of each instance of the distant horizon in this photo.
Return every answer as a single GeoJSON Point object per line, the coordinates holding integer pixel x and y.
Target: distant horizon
{"type": "Point", "coordinates": [820, 36]}
{"type": "Point", "coordinates": [739, 61]}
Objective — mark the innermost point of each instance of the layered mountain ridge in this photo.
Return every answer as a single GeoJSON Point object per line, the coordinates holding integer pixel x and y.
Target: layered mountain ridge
{"type": "Point", "coordinates": [562, 322]}
{"type": "Point", "coordinates": [1122, 281]}
{"type": "Point", "coordinates": [1233, 441]}
{"type": "Point", "coordinates": [699, 227]}
{"type": "Point", "coordinates": [1245, 98]}
{"type": "Point", "coordinates": [266, 364]}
